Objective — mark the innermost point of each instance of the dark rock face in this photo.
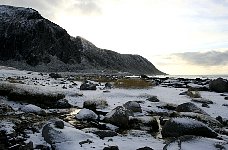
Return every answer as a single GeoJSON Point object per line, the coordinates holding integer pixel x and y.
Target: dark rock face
{"type": "Point", "coordinates": [177, 127]}
{"type": "Point", "coordinates": [219, 85]}
{"type": "Point", "coordinates": [38, 44]}
{"type": "Point", "coordinates": [26, 35]}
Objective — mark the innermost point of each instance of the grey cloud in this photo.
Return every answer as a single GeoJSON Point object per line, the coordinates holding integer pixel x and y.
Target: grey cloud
{"type": "Point", "coordinates": [48, 8]}
{"type": "Point", "coordinates": [210, 58]}
{"type": "Point", "coordinates": [87, 7]}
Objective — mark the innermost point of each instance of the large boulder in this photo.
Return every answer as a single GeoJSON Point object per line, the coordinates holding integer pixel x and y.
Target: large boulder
{"type": "Point", "coordinates": [69, 135]}
{"type": "Point", "coordinates": [95, 104]}
{"type": "Point", "coordinates": [190, 107]}
{"type": "Point", "coordinates": [118, 116]}
{"type": "Point", "coordinates": [219, 85]}
{"type": "Point", "coordinates": [177, 127]}
{"type": "Point", "coordinates": [133, 106]}
{"type": "Point", "coordinates": [194, 142]}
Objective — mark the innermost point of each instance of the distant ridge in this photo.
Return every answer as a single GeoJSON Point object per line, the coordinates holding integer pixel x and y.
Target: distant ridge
{"type": "Point", "coordinates": [29, 41]}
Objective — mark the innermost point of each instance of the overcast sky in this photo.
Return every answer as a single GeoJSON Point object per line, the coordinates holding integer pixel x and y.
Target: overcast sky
{"type": "Point", "coordinates": [177, 36]}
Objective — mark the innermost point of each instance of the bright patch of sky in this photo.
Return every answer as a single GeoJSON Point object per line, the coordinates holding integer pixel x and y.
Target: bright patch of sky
{"type": "Point", "coordinates": [154, 29]}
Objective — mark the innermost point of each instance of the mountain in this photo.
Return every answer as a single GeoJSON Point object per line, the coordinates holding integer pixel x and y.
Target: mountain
{"type": "Point", "coordinates": [29, 41]}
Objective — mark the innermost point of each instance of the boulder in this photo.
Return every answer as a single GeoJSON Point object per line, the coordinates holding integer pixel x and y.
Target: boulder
{"type": "Point", "coordinates": [197, 143]}
{"type": "Point", "coordinates": [202, 100]}
{"type": "Point", "coordinates": [119, 116]}
{"type": "Point", "coordinates": [219, 85]}
{"type": "Point", "coordinates": [88, 86]}
{"type": "Point", "coordinates": [208, 120]}
{"type": "Point", "coordinates": [133, 106]}
{"type": "Point", "coordinates": [86, 114]}
{"type": "Point", "coordinates": [177, 127]}
{"type": "Point", "coordinates": [67, 136]}
{"type": "Point", "coordinates": [189, 107]}
{"type": "Point", "coordinates": [59, 124]}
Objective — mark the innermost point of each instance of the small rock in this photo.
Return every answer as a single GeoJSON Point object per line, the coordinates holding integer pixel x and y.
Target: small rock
{"type": "Point", "coordinates": [133, 106]}
{"type": "Point", "coordinates": [63, 103]}
{"type": "Point", "coordinates": [153, 99]}
{"type": "Point", "coordinates": [86, 114]}
{"type": "Point", "coordinates": [108, 85]}
{"type": "Point", "coordinates": [189, 107]}
{"type": "Point", "coordinates": [205, 105]}
{"type": "Point", "coordinates": [145, 148]}
{"type": "Point", "coordinates": [88, 86]}
{"type": "Point", "coordinates": [105, 133]}
{"type": "Point", "coordinates": [111, 148]}
{"type": "Point", "coordinates": [55, 75]}
{"type": "Point", "coordinates": [59, 124]}
{"type": "Point", "coordinates": [226, 98]}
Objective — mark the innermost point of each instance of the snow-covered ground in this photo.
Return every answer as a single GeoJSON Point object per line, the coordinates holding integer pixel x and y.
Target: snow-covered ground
{"type": "Point", "coordinates": [134, 139]}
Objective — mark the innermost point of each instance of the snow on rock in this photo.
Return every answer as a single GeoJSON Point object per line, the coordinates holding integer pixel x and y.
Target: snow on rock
{"type": "Point", "coordinates": [176, 127]}
{"type": "Point", "coordinates": [190, 107]}
{"type": "Point", "coordinates": [30, 108]}
{"type": "Point", "coordinates": [68, 138]}
{"type": "Point", "coordinates": [192, 142]}
{"type": "Point", "coordinates": [85, 114]}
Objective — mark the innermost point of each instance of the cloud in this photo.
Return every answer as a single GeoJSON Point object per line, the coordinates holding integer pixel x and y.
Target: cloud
{"type": "Point", "coordinates": [87, 7]}
{"type": "Point", "coordinates": [50, 8]}
{"type": "Point", "coordinates": [210, 58]}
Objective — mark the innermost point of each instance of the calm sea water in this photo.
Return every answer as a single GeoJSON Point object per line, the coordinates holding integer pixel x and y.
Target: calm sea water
{"type": "Point", "coordinates": [194, 76]}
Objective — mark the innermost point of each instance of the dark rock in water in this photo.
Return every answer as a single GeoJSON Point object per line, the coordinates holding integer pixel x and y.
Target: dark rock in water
{"type": "Point", "coordinates": [145, 148]}
{"type": "Point", "coordinates": [189, 107]}
{"type": "Point", "coordinates": [195, 142]}
{"type": "Point", "coordinates": [88, 86]}
{"type": "Point", "coordinates": [226, 98]}
{"type": "Point", "coordinates": [111, 148]}
{"type": "Point", "coordinates": [177, 127]}
{"type": "Point", "coordinates": [118, 116]}
{"type": "Point", "coordinates": [105, 133]}
{"type": "Point", "coordinates": [153, 99]}
{"type": "Point", "coordinates": [133, 106]}
{"type": "Point", "coordinates": [31, 42]}
{"type": "Point", "coordinates": [219, 85]}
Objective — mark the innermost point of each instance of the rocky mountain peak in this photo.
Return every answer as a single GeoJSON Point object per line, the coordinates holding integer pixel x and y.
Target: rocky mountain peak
{"type": "Point", "coordinates": [29, 41]}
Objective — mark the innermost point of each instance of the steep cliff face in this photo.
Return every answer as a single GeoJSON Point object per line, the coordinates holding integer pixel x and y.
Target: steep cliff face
{"type": "Point", "coordinates": [28, 38]}
{"type": "Point", "coordinates": [26, 35]}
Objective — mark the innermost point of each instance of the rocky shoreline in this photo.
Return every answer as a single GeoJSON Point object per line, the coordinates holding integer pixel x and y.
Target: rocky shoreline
{"type": "Point", "coordinates": [53, 111]}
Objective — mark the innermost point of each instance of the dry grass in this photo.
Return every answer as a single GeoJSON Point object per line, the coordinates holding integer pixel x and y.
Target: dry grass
{"type": "Point", "coordinates": [133, 83]}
